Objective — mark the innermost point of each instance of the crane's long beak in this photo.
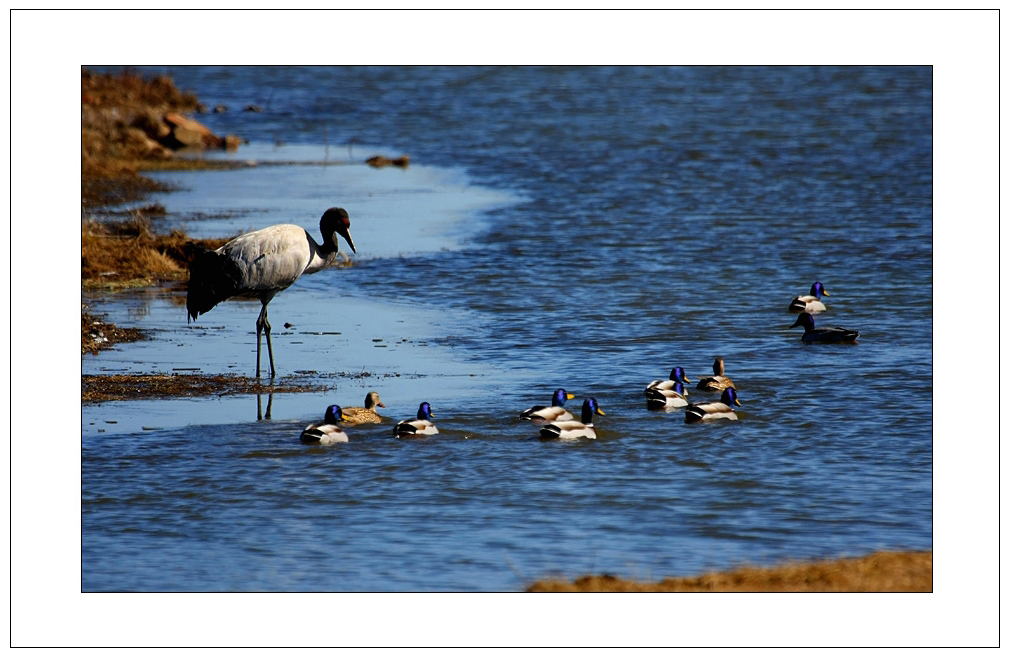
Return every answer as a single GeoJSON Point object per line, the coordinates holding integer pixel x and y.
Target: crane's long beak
{"type": "Point", "coordinates": [346, 234]}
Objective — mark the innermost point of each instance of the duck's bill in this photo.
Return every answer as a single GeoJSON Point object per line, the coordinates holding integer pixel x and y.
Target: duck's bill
{"type": "Point", "coordinates": [569, 396]}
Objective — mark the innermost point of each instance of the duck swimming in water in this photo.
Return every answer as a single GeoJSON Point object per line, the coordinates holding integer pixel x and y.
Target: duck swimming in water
{"type": "Point", "coordinates": [422, 426]}
{"type": "Point", "coordinates": [810, 303]}
{"type": "Point", "coordinates": [677, 375]}
{"type": "Point", "coordinates": [573, 429]}
{"type": "Point", "coordinates": [832, 334]}
{"type": "Point", "coordinates": [666, 398]}
{"type": "Point", "coordinates": [555, 412]}
{"type": "Point", "coordinates": [359, 415]}
{"type": "Point", "coordinates": [328, 432]}
{"type": "Point", "coordinates": [720, 410]}
{"type": "Point", "coordinates": [717, 382]}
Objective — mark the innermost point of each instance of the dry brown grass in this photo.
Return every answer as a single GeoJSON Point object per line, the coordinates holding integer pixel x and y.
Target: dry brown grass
{"type": "Point", "coordinates": [129, 253]}
{"type": "Point", "coordinates": [878, 572]}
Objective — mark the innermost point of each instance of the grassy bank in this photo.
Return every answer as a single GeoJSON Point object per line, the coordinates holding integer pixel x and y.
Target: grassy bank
{"type": "Point", "coordinates": [130, 253]}
{"type": "Point", "coordinates": [877, 572]}
{"type": "Point", "coordinates": [121, 116]}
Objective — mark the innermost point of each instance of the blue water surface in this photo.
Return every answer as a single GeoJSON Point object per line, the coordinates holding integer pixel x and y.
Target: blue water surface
{"type": "Point", "coordinates": [586, 228]}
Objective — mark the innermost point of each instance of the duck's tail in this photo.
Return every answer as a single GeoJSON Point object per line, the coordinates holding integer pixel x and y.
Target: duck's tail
{"type": "Point", "coordinates": [655, 398]}
{"type": "Point", "coordinates": [531, 413]}
{"type": "Point", "coordinates": [550, 432]}
{"type": "Point", "coordinates": [311, 435]}
{"type": "Point", "coordinates": [404, 429]}
{"type": "Point", "coordinates": [693, 414]}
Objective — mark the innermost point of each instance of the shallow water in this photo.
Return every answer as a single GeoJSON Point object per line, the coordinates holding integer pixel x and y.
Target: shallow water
{"type": "Point", "coordinates": [587, 228]}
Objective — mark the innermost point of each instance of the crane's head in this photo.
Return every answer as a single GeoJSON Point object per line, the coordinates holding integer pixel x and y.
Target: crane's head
{"type": "Point", "coordinates": [336, 222]}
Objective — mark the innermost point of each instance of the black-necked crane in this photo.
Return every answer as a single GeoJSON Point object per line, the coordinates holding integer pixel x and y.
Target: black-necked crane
{"type": "Point", "coordinates": [261, 264]}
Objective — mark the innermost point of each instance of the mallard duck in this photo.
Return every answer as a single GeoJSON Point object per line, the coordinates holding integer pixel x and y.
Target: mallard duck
{"type": "Point", "coordinates": [422, 426]}
{"type": "Point", "coordinates": [717, 382]}
{"type": "Point", "coordinates": [328, 432]}
{"type": "Point", "coordinates": [676, 376]}
{"type": "Point", "coordinates": [722, 409]}
{"type": "Point", "coordinates": [658, 398]}
{"type": "Point", "coordinates": [573, 429]}
{"type": "Point", "coordinates": [555, 412]}
{"type": "Point", "coordinates": [832, 334]}
{"type": "Point", "coordinates": [810, 303]}
{"type": "Point", "coordinates": [359, 415]}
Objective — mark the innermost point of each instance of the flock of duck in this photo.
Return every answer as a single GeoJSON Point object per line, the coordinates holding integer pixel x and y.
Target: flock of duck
{"type": "Point", "coordinates": [557, 423]}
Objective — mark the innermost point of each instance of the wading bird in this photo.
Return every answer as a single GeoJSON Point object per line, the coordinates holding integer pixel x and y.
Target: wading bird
{"type": "Point", "coordinates": [261, 264]}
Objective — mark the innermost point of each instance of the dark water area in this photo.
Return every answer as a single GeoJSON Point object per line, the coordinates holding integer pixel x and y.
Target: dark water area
{"type": "Point", "coordinates": [586, 228]}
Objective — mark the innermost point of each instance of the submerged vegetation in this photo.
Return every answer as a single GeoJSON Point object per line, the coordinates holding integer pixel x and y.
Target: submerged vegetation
{"type": "Point", "coordinates": [879, 572]}
{"type": "Point", "coordinates": [114, 387]}
{"type": "Point", "coordinates": [97, 334]}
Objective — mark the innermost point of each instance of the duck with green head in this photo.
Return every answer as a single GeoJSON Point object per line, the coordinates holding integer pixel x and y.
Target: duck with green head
{"type": "Point", "coordinates": [422, 426]}
{"type": "Point", "coordinates": [720, 410]}
{"type": "Point", "coordinates": [573, 429]}
{"type": "Point", "coordinates": [834, 334]}
{"type": "Point", "coordinates": [666, 398]}
{"type": "Point", "coordinates": [555, 412]}
{"type": "Point", "coordinates": [810, 303]}
{"type": "Point", "coordinates": [328, 432]}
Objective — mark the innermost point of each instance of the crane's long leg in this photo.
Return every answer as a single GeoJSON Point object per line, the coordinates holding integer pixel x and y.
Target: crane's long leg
{"type": "Point", "coordinates": [270, 346]}
{"type": "Point", "coordinates": [259, 339]}
{"type": "Point", "coordinates": [263, 324]}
